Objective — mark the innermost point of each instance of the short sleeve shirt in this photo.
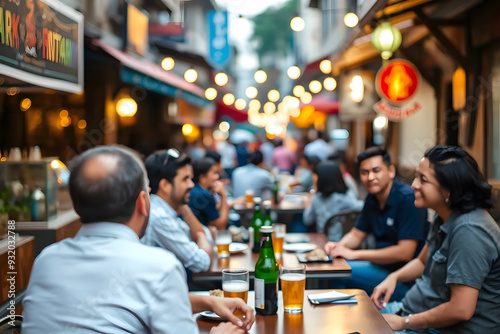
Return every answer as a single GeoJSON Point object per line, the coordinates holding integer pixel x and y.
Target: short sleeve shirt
{"type": "Point", "coordinates": [398, 220]}
{"type": "Point", "coordinates": [202, 203]}
{"type": "Point", "coordinates": [469, 254]}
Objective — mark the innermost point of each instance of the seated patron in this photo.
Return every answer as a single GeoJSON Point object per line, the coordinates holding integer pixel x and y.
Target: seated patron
{"type": "Point", "coordinates": [104, 280]}
{"type": "Point", "coordinates": [391, 216]}
{"type": "Point", "coordinates": [170, 179]}
{"type": "Point", "coordinates": [253, 176]}
{"type": "Point", "coordinates": [457, 288]}
{"type": "Point", "coordinates": [331, 197]}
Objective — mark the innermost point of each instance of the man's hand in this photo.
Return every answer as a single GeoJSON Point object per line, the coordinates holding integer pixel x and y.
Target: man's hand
{"type": "Point", "coordinates": [226, 328]}
{"type": "Point", "coordinates": [385, 288]}
{"type": "Point", "coordinates": [218, 187]}
{"type": "Point", "coordinates": [343, 251]}
{"type": "Point", "coordinates": [225, 308]}
{"type": "Point", "coordinates": [396, 322]}
{"type": "Point", "coordinates": [329, 246]}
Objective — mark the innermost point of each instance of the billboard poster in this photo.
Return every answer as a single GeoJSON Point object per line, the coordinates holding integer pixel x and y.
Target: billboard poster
{"type": "Point", "coordinates": [41, 42]}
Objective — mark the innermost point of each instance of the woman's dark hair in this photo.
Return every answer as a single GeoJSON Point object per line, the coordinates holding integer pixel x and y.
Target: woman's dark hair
{"type": "Point", "coordinates": [459, 173]}
{"type": "Point", "coordinates": [201, 167]}
{"type": "Point", "coordinates": [312, 160]}
{"type": "Point", "coordinates": [329, 179]}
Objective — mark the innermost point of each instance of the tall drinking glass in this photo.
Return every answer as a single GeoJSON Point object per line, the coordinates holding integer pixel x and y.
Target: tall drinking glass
{"type": "Point", "coordinates": [235, 285]}
{"type": "Point", "coordinates": [293, 285]}
{"type": "Point", "coordinates": [222, 239]}
{"type": "Point", "coordinates": [278, 237]}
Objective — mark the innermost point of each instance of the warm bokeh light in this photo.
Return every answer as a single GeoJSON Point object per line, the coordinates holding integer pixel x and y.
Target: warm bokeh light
{"type": "Point", "coordinates": [298, 90]}
{"type": "Point", "coordinates": [380, 122]}
{"type": "Point", "coordinates": [224, 126]}
{"type": "Point", "coordinates": [306, 98]}
{"type": "Point", "coordinates": [293, 72]}
{"type": "Point", "coordinates": [357, 88]}
{"type": "Point", "coordinates": [65, 122]}
{"type": "Point", "coordinates": [219, 135]}
{"type": "Point", "coordinates": [210, 93]}
{"type": "Point", "coordinates": [251, 92]}
{"type": "Point", "coordinates": [228, 99]}
{"type": "Point", "coordinates": [269, 107]}
{"type": "Point", "coordinates": [187, 129]}
{"type": "Point", "coordinates": [126, 107]}
{"type": "Point", "coordinates": [190, 75]}
{"type": "Point", "coordinates": [293, 102]}
{"type": "Point", "coordinates": [330, 84]}
{"type": "Point", "coordinates": [221, 79]}
{"type": "Point", "coordinates": [63, 113]}
{"type": "Point", "coordinates": [82, 124]}
{"type": "Point", "coordinates": [55, 164]}
{"type": "Point", "coordinates": [351, 20]}
{"type": "Point", "coordinates": [167, 63]}
{"type": "Point", "coordinates": [25, 104]}
{"type": "Point", "coordinates": [273, 95]}
{"type": "Point", "coordinates": [295, 112]}
{"type": "Point", "coordinates": [315, 86]}
{"type": "Point", "coordinates": [240, 104]}
{"type": "Point", "coordinates": [297, 23]}
{"type": "Point", "coordinates": [254, 105]}
{"type": "Point", "coordinates": [260, 76]}
{"type": "Point", "coordinates": [325, 66]}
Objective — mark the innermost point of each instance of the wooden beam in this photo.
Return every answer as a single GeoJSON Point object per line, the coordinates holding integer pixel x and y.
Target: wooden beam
{"type": "Point", "coordinates": [443, 40]}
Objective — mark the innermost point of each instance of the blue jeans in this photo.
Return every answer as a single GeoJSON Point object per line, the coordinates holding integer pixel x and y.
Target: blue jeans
{"type": "Point", "coordinates": [366, 276]}
{"type": "Point", "coordinates": [393, 307]}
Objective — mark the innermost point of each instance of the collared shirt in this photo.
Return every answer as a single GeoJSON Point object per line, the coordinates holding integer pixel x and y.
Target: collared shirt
{"type": "Point", "coordinates": [318, 148]}
{"type": "Point", "coordinates": [399, 219]}
{"type": "Point", "coordinates": [167, 230]}
{"type": "Point", "coordinates": [105, 281]}
{"type": "Point", "coordinates": [322, 209]}
{"type": "Point", "coordinates": [469, 254]}
{"type": "Point", "coordinates": [202, 203]}
{"type": "Point", "coordinates": [255, 178]}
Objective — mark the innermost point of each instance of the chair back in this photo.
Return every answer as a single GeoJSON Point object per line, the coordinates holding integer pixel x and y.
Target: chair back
{"type": "Point", "coordinates": [346, 218]}
{"type": "Point", "coordinates": [11, 324]}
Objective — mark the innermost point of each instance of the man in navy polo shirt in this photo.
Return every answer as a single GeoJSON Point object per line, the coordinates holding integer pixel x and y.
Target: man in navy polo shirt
{"type": "Point", "coordinates": [390, 215]}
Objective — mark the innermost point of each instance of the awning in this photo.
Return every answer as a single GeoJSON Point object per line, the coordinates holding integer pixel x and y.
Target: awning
{"type": "Point", "coordinates": [152, 77]}
{"type": "Point", "coordinates": [324, 104]}
{"type": "Point", "coordinates": [224, 111]}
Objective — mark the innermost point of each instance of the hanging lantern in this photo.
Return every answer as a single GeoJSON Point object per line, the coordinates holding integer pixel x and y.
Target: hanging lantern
{"type": "Point", "coordinates": [386, 39]}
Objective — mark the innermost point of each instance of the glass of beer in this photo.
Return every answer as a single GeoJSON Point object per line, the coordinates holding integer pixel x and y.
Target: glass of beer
{"type": "Point", "coordinates": [249, 198]}
{"type": "Point", "coordinates": [293, 285]}
{"type": "Point", "coordinates": [278, 237]}
{"type": "Point", "coordinates": [222, 239]}
{"type": "Point", "coordinates": [235, 285]}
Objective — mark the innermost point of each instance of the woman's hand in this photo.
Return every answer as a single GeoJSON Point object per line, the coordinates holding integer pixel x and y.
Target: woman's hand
{"type": "Point", "coordinates": [386, 289]}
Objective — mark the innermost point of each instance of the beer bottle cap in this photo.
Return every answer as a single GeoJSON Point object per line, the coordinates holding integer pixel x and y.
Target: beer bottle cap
{"type": "Point", "coordinates": [257, 200]}
{"type": "Point", "coordinates": [266, 229]}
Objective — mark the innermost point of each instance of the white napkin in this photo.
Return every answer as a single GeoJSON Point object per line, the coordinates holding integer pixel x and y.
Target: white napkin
{"type": "Point", "coordinates": [327, 297]}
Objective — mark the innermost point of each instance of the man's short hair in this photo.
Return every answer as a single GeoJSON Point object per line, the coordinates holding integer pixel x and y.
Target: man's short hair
{"type": "Point", "coordinates": [256, 158]}
{"type": "Point", "coordinates": [201, 167]}
{"type": "Point", "coordinates": [373, 152]}
{"type": "Point", "coordinates": [214, 155]}
{"type": "Point", "coordinates": [164, 165]}
{"type": "Point", "coordinates": [110, 198]}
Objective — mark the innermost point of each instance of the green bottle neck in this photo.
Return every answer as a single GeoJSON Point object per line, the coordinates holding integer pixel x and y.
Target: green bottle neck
{"type": "Point", "coordinates": [266, 246]}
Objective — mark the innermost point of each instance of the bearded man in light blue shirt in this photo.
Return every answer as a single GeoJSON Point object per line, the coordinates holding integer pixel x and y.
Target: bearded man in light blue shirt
{"type": "Point", "coordinates": [104, 280]}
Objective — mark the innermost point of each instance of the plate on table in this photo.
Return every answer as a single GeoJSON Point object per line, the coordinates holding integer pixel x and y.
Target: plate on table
{"type": "Point", "coordinates": [299, 248]}
{"type": "Point", "coordinates": [296, 237]}
{"type": "Point", "coordinates": [237, 247]}
{"type": "Point", "coordinates": [302, 259]}
{"type": "Point", "coordinates": [293, 198]}
{"type": "Point", "coordinates": [211, 315]}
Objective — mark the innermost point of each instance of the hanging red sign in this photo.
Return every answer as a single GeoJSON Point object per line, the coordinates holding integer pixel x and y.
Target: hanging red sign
{"type": "Point", "coordinates": [397, 82]}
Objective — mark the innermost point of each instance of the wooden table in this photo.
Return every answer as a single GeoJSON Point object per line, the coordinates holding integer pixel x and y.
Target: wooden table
{"type": "Point", "coordinates": [338, 268]}
{"type": "Point", "coordinates": [362, 317]}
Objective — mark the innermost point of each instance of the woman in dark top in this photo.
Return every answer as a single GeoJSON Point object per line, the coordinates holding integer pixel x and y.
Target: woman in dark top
{"type": "Point", "coordinates": [457, 288]}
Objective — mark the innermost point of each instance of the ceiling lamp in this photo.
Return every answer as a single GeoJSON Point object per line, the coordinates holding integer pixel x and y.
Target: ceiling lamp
{"type": "Point", "coordinates": [240, 104]}
{"type": "Point", "coordinates": [210, 93]}
{"type": "Point", "coordinates": [351, 20]}
{"type": "Point", "coordinates": [306, 98]}
{"type": "Point", "coordinates": [228, 99]}
{"type": "Point", "coordinates": [251, 92]}
{"type": "Point", "coordinates": [260, 76]}
{"type": "Point", "coordinates": [386, 39]}
{"type": "Point", "coordinates": [273, 95]}
{"type": "Point", "coordinates": [315, 86]}
{"type": "Point", "coordinates": [293, 72]}
{"type": "Point", "coordinates": [325, 66]}
{"type": "Point", "coordinates": [167, 63]}
{"type": "Point", "coordinates": [221, 79]}
{"type": "Point", "coordinates": [126, 107]}
{"type": "Point", "coordinates": [190, 75]}
{"type": "Point", "coordinates": [298, 90]}
{"type": "Point", "coordinates": [458, 84]}
{"type": "Point", "coordinates": [297, 23]}
{"type": "Point", "coordinates": [330, 84]}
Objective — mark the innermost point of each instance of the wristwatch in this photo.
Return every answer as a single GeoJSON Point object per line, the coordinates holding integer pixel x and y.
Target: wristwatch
{"type": "Point", "coordinates": [407, 321]}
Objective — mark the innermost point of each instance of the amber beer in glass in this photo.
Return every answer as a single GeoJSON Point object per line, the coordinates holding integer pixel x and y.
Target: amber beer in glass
{"type": "Point", "coordinates": [293, 284]}
{"type": "Point", "coordinates": [235, 285]}
{"type": "Point", "coordinates": [278, 237]}
{"type": "Point", "coordinates": [222, 239]}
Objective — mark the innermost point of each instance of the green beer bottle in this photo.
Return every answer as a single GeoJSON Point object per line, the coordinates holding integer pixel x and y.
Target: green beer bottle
{"type": "Point", "coordinates": [266, 276]}
{"type": "Point", "coordinates": [267, 216]}
{"type": "Point", "coordinates": [276, 192]}
{"type": "Point", "coordinates": [257, 222]}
